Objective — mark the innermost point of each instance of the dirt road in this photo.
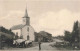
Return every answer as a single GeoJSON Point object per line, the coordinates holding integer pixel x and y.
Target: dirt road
{"type": "Point", "coordinates": [44, 47]}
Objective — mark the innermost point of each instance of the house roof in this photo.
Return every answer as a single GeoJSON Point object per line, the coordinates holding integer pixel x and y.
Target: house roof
{"type": "Point", "coordinates": [17, 27]}
{"type": "Point", "coordinates": [43, 33]}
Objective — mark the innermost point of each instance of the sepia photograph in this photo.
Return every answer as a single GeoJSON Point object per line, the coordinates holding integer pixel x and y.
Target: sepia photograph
{"type": "Point", "coordinates": [39, 25]}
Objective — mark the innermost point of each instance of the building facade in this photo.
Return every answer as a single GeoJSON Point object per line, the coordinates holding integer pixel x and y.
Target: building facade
{"type": "Point", "coordinates": [25, 30]}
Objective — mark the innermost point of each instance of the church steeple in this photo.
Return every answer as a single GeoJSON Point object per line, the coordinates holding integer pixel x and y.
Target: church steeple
{"type": "Point", "coordinates": [26, 19]}
{"type": "Point", "coordinates": [26, 13]}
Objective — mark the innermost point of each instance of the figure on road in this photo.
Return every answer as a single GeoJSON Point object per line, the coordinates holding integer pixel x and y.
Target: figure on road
{"type": "Point", "coordinates": [39, 45]}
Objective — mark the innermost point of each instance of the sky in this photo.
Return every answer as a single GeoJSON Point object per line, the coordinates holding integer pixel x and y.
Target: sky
{"type": "Point", "coordinates": [53, 16]}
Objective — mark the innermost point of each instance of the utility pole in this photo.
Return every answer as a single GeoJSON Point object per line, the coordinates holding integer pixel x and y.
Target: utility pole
{"type": "Point", "coordinates": [39, 41]}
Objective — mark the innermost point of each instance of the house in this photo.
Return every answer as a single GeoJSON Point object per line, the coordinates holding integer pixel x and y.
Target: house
{"type": "Point", "coordinates": [43, 36]}
{"type": "Point", "coordinates": [47, 37]}
{"type": "Point", "coordinates": [25, 30]}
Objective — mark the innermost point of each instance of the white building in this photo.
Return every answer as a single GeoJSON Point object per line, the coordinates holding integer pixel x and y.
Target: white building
{"type": "Point", "coordinates": [25, 30]}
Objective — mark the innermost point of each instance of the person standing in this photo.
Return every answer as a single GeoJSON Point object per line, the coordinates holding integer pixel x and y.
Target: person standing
{"type": "Point", "coordinates": [39, 45]}
{"type": "Point", "coordinates": [39, 42]}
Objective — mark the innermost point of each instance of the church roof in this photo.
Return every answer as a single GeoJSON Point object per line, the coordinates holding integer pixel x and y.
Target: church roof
{"type": "Point", "coordinates": [17, 27]}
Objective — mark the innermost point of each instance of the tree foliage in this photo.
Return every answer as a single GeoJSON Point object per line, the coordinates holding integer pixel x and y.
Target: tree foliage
{"type": "Point", "coordinates": [68, 36]}
{"type": "Point", "coordinates": [3, 29]}
{"type": "Point", "coordinates": [71, 36]}
{"type": "Point", "coordinates": [75, 32]}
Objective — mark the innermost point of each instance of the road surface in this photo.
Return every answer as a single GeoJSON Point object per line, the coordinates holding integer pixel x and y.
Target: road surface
{"type": "Point", "coordinates": [44, 47]}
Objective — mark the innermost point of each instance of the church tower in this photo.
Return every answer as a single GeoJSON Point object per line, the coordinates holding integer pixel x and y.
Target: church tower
{"type": "Point", "coordinates": [26, 19]}
{"type": "Point", "coordinates": [25, 30]}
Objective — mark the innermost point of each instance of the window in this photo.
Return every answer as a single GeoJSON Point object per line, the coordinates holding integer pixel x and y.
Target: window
{"type": "Point", "coordinates": [28, 29]}
{"type": "Point", "coordinates": [27, 37]}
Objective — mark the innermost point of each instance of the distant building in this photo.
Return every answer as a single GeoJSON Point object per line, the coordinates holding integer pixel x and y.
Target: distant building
{"type": "Point", "coordinates": [25, 30]}
{"type": "Point", "coordinates": [44, 36]}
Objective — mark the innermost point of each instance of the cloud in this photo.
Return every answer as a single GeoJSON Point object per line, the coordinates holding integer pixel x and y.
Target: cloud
{"type": "Point", "coordinates": [50, 21]}
{"type": "Point", "coordinates": [57, 22]}
{"type": "Point", "coordinates": [12, 18]}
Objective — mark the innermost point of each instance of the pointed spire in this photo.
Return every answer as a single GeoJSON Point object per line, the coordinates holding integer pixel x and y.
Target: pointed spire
{"type": "Point", "coordinates": [26, 13]}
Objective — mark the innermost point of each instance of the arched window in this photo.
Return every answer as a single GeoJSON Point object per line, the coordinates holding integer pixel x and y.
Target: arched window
{"type": "Point", "coordinates": [27, 37]}
{"type": "Point", "coordinates": [28, 29]}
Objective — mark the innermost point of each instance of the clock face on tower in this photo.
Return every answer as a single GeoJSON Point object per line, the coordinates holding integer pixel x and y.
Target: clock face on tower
{"type": "Point", "coordinates": [24, 20]}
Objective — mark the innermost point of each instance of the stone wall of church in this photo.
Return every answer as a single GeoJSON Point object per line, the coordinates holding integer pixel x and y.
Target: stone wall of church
{"type": "Point", "coordinates": [28, 30]}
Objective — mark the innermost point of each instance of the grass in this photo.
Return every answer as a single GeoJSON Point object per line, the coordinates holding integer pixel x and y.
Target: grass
{"type": "Point", "coordinates": [64, 47]}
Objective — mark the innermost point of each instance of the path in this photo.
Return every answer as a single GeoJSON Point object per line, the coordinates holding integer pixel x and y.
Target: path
{"type": "Point", "coordinates": [44, 47]}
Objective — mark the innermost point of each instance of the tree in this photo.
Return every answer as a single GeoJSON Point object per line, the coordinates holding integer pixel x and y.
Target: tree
{"type": "Point", "coordinates": [3, 29]}
{"type": "Point", "coordinates": [67, 36]}
{"type": "Point", "coordinates": [75, 32]}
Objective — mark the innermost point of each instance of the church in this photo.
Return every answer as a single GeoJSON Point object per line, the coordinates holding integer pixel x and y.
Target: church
{"type": "Point", "coordinates": [25, 30]}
